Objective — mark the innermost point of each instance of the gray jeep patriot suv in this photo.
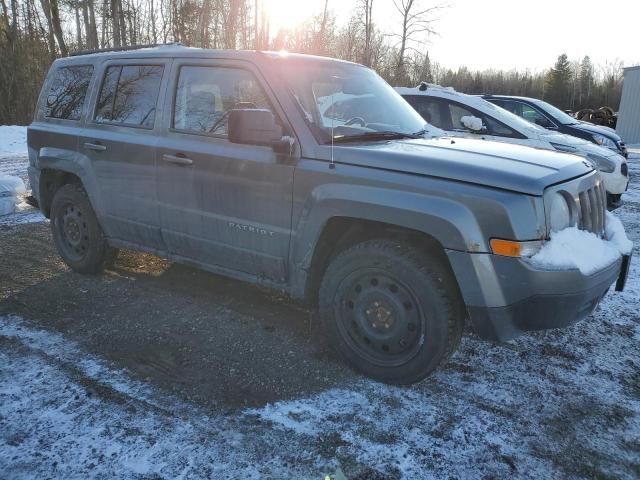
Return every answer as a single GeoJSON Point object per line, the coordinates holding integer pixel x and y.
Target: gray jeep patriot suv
{"type": "Point", "coordinates": [248, 164]}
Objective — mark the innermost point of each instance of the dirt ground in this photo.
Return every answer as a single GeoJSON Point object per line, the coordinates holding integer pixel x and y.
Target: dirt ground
{"type": "Point", "coordinates": [103, 374]}
{"type": "Point", "coordinates": [209, 339]}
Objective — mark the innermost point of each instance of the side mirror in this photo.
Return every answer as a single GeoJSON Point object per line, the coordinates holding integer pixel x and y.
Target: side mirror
{"type": "Point", "coordinates": [255, 126]}
{"type": "Point", "coordinates": [472, 123]}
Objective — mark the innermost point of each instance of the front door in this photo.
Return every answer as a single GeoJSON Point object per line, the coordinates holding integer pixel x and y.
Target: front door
{"type": "Point", "coordinates": [221, 204]}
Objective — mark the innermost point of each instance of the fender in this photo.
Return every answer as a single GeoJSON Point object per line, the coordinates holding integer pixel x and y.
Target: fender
{"type": "Point", "coordinates": [451, 223]}
{"type": "Point", "coordinates": [68, 161]}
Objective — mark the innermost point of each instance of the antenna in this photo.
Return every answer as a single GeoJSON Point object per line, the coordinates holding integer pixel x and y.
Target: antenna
{"type": "Point", "coordinates": [332, 165]}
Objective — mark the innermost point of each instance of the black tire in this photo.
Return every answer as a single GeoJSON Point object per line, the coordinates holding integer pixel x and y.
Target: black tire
{"type": "Point", "coordinates": [77, 233]}
{"type": "Point", "coordinates": [392, 311]}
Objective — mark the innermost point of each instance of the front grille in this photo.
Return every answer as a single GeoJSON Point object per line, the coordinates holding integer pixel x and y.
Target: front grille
{"type": "Point", "coordinates": [592, 205]}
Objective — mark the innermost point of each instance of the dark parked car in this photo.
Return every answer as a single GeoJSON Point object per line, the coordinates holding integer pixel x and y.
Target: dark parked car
{"type": "Point", "coordinates": [223, 160]}
{"type": "Point", "coordinates": [547, 116]}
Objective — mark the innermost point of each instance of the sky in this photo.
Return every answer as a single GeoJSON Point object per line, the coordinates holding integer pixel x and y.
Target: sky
{"type": "Point", "coordinates": [504, 34]}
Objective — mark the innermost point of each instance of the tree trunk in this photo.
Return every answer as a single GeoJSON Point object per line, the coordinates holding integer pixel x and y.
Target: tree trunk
{"type": "Point", "coordinates": [202, 39]}
{"type": "Point", "coordinates": [123, 25]}
{"type": "Point", "coordinates": [88, 27]}
{"type": "Point", "coordinates": [57, 28]}
{"type": "Point", "coordinates": [152, 12]}
{"type": "Point", "coordinates": [78, 28]}
{"type": "Point", "coordinates": [368, 30]}
{"type": "Point", "coordinates": [115, 20]}
{"type": "Point", "coordinates": [93, 31]}
{"type": "Point", "coordinates": [46, 8]}
{"type": "Point", "coordinates": [230, 24]}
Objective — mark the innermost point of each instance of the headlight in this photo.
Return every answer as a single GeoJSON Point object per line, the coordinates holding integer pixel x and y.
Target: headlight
{"type": "Point", "coordinates": [604, 141]}
{"type": "Point", "coordinates": [563, 148]}
{"type": "Point", "coordinates": [559, 213]}
{"type": "Point", "coordinates": [601, 163]}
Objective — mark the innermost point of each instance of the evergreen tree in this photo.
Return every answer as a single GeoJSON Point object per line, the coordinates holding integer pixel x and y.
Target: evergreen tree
{"type": "Point", "coordinates": [586, 82]}
{"type": "Point", "coordinates": [558, 83]}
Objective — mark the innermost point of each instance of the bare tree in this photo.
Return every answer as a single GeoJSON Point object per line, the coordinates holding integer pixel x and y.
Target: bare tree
{"type": "Point", "coordinates": [417, 23]}
{"type": "Point", "coordinates": [367, 5]}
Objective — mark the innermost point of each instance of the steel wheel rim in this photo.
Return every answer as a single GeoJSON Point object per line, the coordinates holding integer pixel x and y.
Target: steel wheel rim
{"type": "Point", "coordinates": [380, 318]}
{"type": "Point", "coordinates": [73, 231]}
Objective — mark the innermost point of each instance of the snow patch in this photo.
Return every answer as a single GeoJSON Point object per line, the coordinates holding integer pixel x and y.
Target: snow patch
{"type": "Point", "coordinates": [13, 140]}
{"type": "Point", "coordinates": [10, 190]}
{"type": "Point", "coordinates": [573, 248]}
{"type": "Point", "coordinates": [472, 123]}
{"type": "Point", "coordinates": [616, 234]}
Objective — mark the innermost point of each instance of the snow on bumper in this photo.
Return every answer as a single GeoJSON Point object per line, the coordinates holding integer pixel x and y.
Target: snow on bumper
{"type": "Point", "coordinates": [582, 250]}
{"type": "Point", "coordinates": [559, 286]}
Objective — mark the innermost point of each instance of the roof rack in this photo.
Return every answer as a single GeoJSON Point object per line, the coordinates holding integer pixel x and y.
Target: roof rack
{"type": "Point", "coordinates": [123, 49]}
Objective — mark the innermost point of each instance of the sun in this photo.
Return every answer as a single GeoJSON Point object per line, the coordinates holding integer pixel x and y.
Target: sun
{"type": "Point", "coordinates": [287, 13]}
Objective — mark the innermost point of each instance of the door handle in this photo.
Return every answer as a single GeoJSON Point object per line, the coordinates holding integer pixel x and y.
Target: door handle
{"type": "Point", "coordinates": [177, 159]}
{"type": "Point", "coordinates": [95, 146]}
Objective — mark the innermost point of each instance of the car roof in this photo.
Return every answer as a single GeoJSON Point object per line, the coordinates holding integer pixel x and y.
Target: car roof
{"type": "Point", "coordinates": [430, 90]}
{"type": "Point", "coordinates": [180, 51]}
{"type": "Point", "coordinates": [510, 97]}
{"type": "Point", "coordinates": [443, 92]}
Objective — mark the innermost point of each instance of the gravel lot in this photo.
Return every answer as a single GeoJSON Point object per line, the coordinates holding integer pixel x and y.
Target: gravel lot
{"type": "Point", "coordinates": [156, 370]}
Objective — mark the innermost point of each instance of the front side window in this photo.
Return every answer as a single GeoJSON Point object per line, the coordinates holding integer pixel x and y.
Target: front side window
{"type": "Point", "coordinates": [205, 95]}
{"type": "Point", "coordinates": [532, 115]}
{"type": "Point", "coordinates": [67, 92]}
{"type": "Point", "coordinates": [129, 95]}
{"type": "Point", "coordinates": [493, 126]}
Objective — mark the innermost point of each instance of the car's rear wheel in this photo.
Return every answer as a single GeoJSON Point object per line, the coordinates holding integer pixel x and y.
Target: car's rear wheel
{"type": "Point", "coordinates": [77, 233]}
{"type": "Point", "coordinates": [392, 311]}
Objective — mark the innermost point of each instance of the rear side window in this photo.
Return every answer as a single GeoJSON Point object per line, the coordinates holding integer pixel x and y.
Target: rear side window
{"type": "Point", "coordinates": [129, 95]}
{"type": "Point", "coordinates": [205, 95]}
{"type": "Point", "coordinates": [67, 92]}
{"type": "Point", "coordinates": [428, 108]}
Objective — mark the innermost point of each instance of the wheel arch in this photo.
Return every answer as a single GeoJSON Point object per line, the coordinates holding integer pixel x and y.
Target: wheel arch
{"type": "Point", "coordinates": [341, 232]}
{"type": "Point", "coordinates": [61, 167]}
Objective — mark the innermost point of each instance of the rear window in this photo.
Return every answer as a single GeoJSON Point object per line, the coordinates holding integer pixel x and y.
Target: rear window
{"type": "Point", "coordinates": [129, 95]}
{"type": "Point", "coordinates": [67, 92]}
{"type": "Point", "coordinates": [428, 108]}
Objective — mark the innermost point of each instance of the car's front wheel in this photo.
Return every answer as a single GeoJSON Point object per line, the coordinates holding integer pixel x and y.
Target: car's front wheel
{"type": "Point", "coordinates": [77, 233]}
{"type": "Point", "coordinates": [393, 312]}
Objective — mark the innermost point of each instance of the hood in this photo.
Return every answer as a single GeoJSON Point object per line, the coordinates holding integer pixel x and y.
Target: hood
{"type": "Point", "coordinates": [500, 165]}
{"type": "Point", "coordinates": [591, 128]}
{"type": "Point", "coordinates": [582, 147]}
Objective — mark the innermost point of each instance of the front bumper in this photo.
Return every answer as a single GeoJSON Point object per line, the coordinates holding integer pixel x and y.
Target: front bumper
{"type": "Point", "coordinates": [506, 296]}
{"type": "Point", "coordinates": [616, 182]}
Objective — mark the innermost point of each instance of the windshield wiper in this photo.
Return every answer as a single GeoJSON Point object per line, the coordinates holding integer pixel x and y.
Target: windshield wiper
{"type": "Point", "coordinates": [373, 136]}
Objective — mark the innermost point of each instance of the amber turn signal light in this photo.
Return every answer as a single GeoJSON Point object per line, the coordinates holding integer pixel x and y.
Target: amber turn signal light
{"type": "Point", "coordinates": [511, 248]}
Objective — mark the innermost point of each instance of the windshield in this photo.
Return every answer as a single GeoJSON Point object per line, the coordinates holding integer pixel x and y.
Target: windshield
{"type": "Point", "coordinates": [344, 100]}
{"type": "Point", "coordinates": [556, 113]}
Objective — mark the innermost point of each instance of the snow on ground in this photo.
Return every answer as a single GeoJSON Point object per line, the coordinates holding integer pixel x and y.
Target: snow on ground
{"type": "Point", "coordinates": [557, 404]}
{"type": "Point", "coordinates": [14, 160]}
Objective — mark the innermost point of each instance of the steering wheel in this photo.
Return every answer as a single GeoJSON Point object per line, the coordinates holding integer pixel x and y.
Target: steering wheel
{"type": "Point", "coordinates": [353, 120]}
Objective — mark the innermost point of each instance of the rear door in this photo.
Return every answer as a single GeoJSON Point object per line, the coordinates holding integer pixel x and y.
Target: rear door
{"type": "Point", "coordinates": [120, 140]}
{"type": "Point", "coordinates": [431, 109]}
{"type": "Point", "coordinates": [222, 204]}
